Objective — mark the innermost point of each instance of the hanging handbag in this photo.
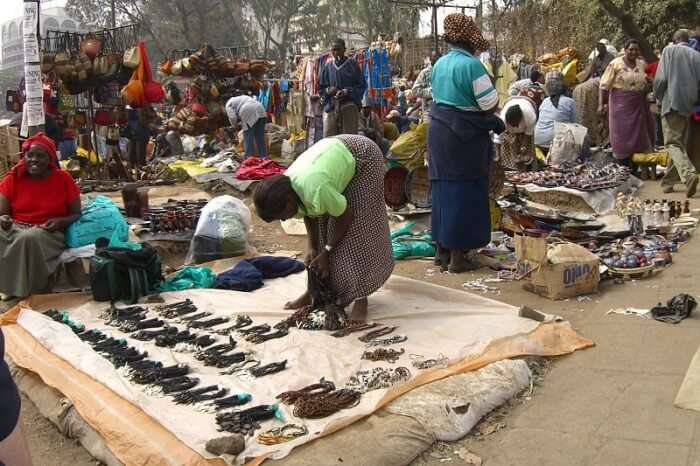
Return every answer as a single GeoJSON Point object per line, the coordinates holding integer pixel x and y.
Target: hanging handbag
{"type": "Point", "coordinates": [166, 65]}
{"type": "Point", "coordinates": [132, 57]}
{"type": "Point", "coordinates": [47, 63]}
{"type": "Point", "coordinates": [91, 46]}
{"type": "Point", "coordinates": [102, 118]}
{"type": "Point", "coordinates": [214, 91]}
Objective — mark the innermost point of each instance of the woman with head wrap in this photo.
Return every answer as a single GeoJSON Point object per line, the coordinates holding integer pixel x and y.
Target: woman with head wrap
{"type": "Point", "coordinates": [555, 108]}
{"type": "Point", "coordinates": [38, 201]}
{"type": "Point", "coordinates": [459, 145]}
{"type": "Point", "coordinates": [623, 97]}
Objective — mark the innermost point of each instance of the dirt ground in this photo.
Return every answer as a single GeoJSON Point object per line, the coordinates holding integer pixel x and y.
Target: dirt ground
{"type": "Point", "coordinates": [609, 405]}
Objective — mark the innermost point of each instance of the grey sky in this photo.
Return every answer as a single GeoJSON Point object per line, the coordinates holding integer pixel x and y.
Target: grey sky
{"type": "Point", "coordinates": [13, 8]}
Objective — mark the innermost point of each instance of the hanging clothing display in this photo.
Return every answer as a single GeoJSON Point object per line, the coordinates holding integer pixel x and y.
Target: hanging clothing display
{"type": "Point", "coordinates": [504, 76]}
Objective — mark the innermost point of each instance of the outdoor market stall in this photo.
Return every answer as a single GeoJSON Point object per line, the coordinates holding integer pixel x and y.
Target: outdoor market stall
{"type": "Point", "coordinates": [137, 420]}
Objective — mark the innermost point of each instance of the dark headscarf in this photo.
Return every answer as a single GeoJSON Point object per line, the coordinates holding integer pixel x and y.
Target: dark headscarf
{"type": "Point", "coordinates": [461, 29]}
{"type": "Point", "coordinates": [555, 87]}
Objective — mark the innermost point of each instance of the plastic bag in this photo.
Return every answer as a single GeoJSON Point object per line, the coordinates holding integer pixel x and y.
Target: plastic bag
{"type": "Point", "coordinates": [405, 244]}
{"type": "Point", "coordinates": [564, 150]}
{"type": "Point", "coordinates": [188, 278]}
{"type": "Point", "coordinates": [222, 231]}
{"type": "Point", "coordinates": [411, 146]}
{"type": "Point", "coordinates": [100, 218]}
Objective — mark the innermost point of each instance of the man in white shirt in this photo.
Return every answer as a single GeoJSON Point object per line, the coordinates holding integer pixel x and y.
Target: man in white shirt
{"type": "Point", "coordinates": [516, 146]}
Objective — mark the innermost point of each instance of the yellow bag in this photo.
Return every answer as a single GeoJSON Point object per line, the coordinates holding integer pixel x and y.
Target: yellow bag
{"type": "Point", "coordinates": [569, 71]}
{"type": "Point", "coordinates": [651, 158]}
{"type": "Point", "coordinates": [410, 148]}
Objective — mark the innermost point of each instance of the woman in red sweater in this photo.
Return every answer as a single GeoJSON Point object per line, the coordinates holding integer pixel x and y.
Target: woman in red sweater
{"type": "Point", "coordinates": [38, 201]}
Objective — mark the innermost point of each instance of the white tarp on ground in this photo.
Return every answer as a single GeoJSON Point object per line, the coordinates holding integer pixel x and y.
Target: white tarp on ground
{"type": "Point", "coordinates": [436, 320]}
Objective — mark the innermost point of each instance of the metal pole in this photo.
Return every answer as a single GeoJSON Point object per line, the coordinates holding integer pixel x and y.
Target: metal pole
{"type": "Point", "coordinates": [114, 14]}
{"type": "Point", "coordinates": [33, 112]}
{"type": "Point", "coordinates": [435, 26]}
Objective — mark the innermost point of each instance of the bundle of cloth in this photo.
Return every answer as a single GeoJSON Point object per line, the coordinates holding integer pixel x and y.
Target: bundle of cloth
{"type": "Point", "coordinates": [249, 274]}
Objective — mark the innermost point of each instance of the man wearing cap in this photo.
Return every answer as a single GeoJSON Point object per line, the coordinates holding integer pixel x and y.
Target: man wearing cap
{"type": "Point", "coordinates": [342, 86]}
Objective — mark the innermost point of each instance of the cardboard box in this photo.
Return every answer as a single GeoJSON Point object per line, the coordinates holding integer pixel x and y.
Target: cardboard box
{"type": "Point", "coordinates": [557, 270]}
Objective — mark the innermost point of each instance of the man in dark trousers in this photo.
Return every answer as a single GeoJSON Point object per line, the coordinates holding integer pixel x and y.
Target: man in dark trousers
{"type": "Point", "coordinates": [342, 87]}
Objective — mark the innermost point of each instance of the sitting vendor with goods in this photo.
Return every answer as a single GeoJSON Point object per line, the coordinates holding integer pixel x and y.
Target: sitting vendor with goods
{"type": "Point", "coordinates": [337, 186]}
{"type": "Point", "coordinates": [38, 201]}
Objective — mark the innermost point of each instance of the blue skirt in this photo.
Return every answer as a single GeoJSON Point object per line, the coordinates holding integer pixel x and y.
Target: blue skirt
{"type": "Point", "coordinates": [461, 218]}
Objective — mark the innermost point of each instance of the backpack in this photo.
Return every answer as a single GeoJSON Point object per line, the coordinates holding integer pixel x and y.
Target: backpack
{"type": "Point", "coordinates": [122, 274]}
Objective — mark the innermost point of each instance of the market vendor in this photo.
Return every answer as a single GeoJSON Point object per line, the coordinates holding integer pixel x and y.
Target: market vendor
{"type": "Point", "coordinates": [517, 144]}
{"type": "Point", "coordinates": [422, 88]}
{"type": "Point", "coordinates": [557, 107]}
{"type": "Point", "coordinates": [402, 122]}
{"type": "Point", "coordinates": [371, 126]}
{"type": "Point", "coordinates": [532, 87]}
{"type": "Point", "coordinates": [460, 151]}
{"type": "Point", "coordinates": [623, 97]}
{"type": "Point", "coordinates": [251, 115]}
{"type": "Point", "coordinates": [598, 63]}
{"type": "Point", "coordinates": [38, 201]}
{"type": "Point", "coordinates": [337, 186]}
{"type": "Point", "coordinates": [341, 87]}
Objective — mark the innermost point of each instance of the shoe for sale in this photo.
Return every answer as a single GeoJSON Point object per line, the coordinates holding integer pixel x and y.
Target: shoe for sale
{"type": "Point", "coordinates": [691, 186]}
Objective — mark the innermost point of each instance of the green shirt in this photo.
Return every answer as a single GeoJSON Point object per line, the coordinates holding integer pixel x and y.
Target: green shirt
{"type": "Point", "coordinates": [320, 175]}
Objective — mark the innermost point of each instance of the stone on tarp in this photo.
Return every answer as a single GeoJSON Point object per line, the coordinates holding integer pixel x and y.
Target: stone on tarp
{"type": "Point", "coordinates": [229, 445]}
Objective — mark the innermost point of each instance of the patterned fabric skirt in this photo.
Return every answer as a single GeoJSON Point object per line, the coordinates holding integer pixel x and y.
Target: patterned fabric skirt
{"type": "Point", "coordinates": [363, 260]}
{"type": "Point", "coordinates": [517, 151]}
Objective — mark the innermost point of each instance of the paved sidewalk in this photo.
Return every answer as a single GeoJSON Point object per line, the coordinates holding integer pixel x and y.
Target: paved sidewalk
{"type": "Point", "coordinates": [612, 404]}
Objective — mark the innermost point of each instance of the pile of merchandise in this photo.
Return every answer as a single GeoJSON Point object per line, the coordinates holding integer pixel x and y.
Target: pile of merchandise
{"type": "Point", "coordinates": [587, 177]}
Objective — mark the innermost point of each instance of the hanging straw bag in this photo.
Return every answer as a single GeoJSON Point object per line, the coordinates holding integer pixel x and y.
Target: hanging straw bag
{"type": "Point", "coordinates": [132, 57]}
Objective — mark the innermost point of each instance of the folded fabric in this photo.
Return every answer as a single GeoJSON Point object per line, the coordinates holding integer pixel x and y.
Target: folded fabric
{"type": "Point", "coordinates": [255, 168]}
{"type": "Point", "coordinates": [188, 278]}
{"type": "Point", "coordinates": [248, 275]}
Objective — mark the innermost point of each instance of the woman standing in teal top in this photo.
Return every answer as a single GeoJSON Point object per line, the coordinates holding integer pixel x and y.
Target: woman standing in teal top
{"type": "Point", "coordinates": [460, 151]}
{"type": "Point", "coordinates": [337, 186]}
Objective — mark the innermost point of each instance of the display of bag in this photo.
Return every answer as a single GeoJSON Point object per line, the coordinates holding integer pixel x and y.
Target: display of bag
{"type": "Point", "coordinates": [91, 46]}
{"type": "Point", "coordinates": [47, 63]}
{"type": "Point", "coordinates": [100, 218]}
{"type": "Point", "coordinates": [567, 144]}
{"type": "Point", "coordinates": [123, 274]}
{"type": "Point", "coordinates": [132, 57]}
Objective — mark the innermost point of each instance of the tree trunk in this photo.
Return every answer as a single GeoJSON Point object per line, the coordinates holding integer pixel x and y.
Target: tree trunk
{"type": "Point", "coordinates": [629, 25]}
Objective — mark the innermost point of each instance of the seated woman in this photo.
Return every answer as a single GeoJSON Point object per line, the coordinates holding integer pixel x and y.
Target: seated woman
{"type": "Point", "coordinates": [555, 108]}
{"type": "Point", "coordinates": [337, 186]}
{"type": "Point", "coordinates": [38, 201]}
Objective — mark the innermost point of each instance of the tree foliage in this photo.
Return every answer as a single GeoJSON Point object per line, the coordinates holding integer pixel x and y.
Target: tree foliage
{"type": "Point", "coordinates": [279, 27]}
{"type": "Point", "coordinates": [538, 26]}
{"type": "Point", "coordinates": [169, 24]}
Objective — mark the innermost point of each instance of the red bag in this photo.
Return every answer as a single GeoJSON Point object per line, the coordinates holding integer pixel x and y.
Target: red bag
{"type": "Point", "coordinates": [152, 90]}
{"type": "Point", "coordinates": [102, 118]}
